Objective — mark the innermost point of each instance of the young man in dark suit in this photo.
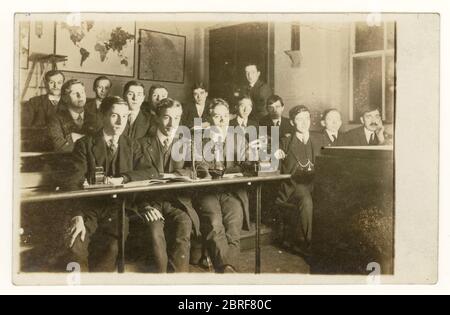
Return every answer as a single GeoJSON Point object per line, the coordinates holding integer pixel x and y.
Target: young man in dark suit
{"type": "Point", "coordinates": [223, 211]}
{"type": "Point", "coordinates": [170, 217]}
{"type": "Point", "coordinates": [298, 152]}
{"type": "Point", "coordinates": [71, 122]}
{"type": "Point", "coordinates": [92, 237]}
{"type": "Point", "coordinates": [156, 93]}
{"type": "Point", "coordinates": [102, 87]}
{"type": "Point", "coordinates": [371, 132]}
{"type": "Point", "coordinates": [199, 109]}
{"type": "Point", "coordinates": [37, 112]}
{"type": "Point", "coordinates": [258, 90]}
{"type": "Point", "coordinates": [244, 109]}
{"type": "Point", "coordinates": [332, 122]}
{"type": "Point", "coordinates": [140, 121]}
{"type": "Point", "coordinates": [275, 107]}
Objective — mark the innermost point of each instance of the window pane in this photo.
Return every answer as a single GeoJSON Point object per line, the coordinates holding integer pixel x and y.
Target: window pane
{"type": "Point", "coordinates": [367, 84]}
{"type": "Point", "coordinates": [390, 35]}
{"type": "Point", "coordinates": [390, 88]}
{"type": "Point", "coordinates": [368, 38]}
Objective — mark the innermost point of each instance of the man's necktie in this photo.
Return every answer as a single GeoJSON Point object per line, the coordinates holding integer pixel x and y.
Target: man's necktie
{"type": "Point", "coordinates": [277, 124]}
{"type": "Point", "coordinates": [166, 145]}
{"type": "Point", "coordinates": [373, 139]}
{"type": "Point", "coordinates": [79, 121]}
{"type": "Point", "coordinates": [334, 138]}
{"type": "Point", "coordinates": [112, 147]}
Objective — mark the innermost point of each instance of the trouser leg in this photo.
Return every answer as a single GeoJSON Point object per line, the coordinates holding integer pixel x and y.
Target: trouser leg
{"type": "Point", "coordinates": [233, 217]}
{"type": "Point", "coordinates": [212, 228]}
{"type": "Point", "coordinates": [178, 230]}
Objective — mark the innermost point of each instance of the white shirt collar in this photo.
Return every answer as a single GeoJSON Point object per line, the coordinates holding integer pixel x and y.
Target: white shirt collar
{"type": "Point", "coordinates": [331, 134]}
{"type": "Point", "coordinates": [98, 103]}
{"type": "Point", "coordinates": [76, 115]}
{"type": "Point", "coordinates": [303, 137]}
{"type": "Point", "coordinates": [368, 134]}
{"type": "Point", "coordinates": [241, 121]}
{"type": "Point", "coordinates": [54, 97]}
{"type": "Point", "coordinates": [109, 138]}
{"type": "Point", "coordinates": [275, 121]}
{"type": "Point", "coordinates": [162, 138]}
{"type": "Point", "coordinates": [200, 109]}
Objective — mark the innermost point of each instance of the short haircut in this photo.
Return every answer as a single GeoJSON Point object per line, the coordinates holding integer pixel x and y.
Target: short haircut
{"type": "Point", "coordinates": [155, 87]}
{"type": "Point", "coordinates": [297, 110]}
{"type": "Point", "coordinates": [242, 97]}
{"type": "Point", "coordinates": [101, 79]}
{"type": "Point", "coordinates": [327, 111]}
{"type": "Point", "coordinates": [67, 87]}
{"type": "Point", "coordinates": [217, 102]}
{"type": "Point", "coordinates": [109, 102]}
{"type": "Point", "coordinates": [130, 84]}
{"type": "Point", "coordinates": [166, 103]}
{"type": "Point", "coordinates": [52, 73]}
{"type": "Point", "coordinates": [367, 109]}
{"type": "Point", "coordinates": [252, 63]}
{"type": "Point", "coordinates": [273, 99]}
{"type": "Point", "coordinates": [199, 85]}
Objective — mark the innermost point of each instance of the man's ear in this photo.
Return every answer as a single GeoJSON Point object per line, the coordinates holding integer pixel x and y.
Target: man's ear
{"type": "Point", "coordinates": [292, 123]}
{"type": "Point", "coordinates": [322, 123]}
{"type": "Point", "coordinates": [362, 120]}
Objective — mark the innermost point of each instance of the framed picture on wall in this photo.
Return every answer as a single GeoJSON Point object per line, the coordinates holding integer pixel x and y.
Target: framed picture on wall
{"type": "Point", "coordinates": [96, 45]}
{"type": "Point", "coordinates": [161, 56]}
{"type": "Point", "coordinates": [24, 44]}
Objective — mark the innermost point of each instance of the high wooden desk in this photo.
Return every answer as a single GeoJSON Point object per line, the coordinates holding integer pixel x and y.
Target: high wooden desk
{"type": "Point", "coordinates": [33, 196]}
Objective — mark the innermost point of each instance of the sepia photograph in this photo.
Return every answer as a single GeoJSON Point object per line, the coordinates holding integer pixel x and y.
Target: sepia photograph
{"type": "Point", "coordinates": [194, 148]}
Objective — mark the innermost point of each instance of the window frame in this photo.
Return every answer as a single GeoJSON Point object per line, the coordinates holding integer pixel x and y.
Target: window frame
{"type": "Point", "coordinates": [384, 53]}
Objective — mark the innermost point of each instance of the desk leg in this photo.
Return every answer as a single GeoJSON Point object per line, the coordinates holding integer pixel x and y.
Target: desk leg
{"type": "Point", "coordinates": [258, 230]}
{"type": "Point", "coordinates": [121, 258]}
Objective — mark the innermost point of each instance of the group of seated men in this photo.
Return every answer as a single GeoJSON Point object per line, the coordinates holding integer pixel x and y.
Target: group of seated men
{"type": "Point", "coordinates": [133, 140]}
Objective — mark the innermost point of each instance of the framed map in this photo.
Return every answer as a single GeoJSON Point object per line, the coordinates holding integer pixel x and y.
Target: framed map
{"type": "Point", "coordinates": [99, 47]}
{"type": "Point", "coordinates": [161, 56]}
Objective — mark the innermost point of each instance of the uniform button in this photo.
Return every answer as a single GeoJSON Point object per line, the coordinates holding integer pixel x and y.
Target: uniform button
{"type": "Point", "coordinates": [109, 220]}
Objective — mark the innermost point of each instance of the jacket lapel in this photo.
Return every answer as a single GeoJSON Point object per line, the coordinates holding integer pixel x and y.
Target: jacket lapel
{"type": "Point", "coordinates": [153, 151]}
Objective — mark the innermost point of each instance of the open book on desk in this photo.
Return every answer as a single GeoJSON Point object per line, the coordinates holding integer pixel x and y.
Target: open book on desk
{"type": "Point", "coordinates": [144, 183]}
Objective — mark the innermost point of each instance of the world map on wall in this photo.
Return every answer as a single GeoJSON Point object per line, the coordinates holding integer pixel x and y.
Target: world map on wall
{"type": "Point", "coordinates": [97, 47]}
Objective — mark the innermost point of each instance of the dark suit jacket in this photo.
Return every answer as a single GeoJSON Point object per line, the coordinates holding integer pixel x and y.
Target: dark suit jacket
{"type": "Point", "coordinates": [326, 141]}
{"type": "Point", "coordinates": [230, 167]}
{"type": "Point", "coordinates": [141, 127]}
{"type": "Point", "coordinates": [91, 106]}
{"type": "Point", "coordinates": [38, 111]}
{"type": "Point", "coordinates": [259, 94]}
{"type": "Point", "coordinates": [290, 164]}
{"type": "Point", "coordinates": [89, 153]}
{"type": "Point", "coordinates": [62, 126]}
{"type": "Point", "coordinates": [190, 113]}
{"type": "Point", "coordinates": [285, 126]}
{"type": "Point", "coordinates": [151, 166]}
{"type": "Point", "coordinates": [356, 137]}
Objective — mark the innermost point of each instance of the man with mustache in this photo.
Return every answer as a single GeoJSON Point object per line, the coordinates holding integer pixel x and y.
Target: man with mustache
{"type": "Point", "coordinates": [102, 87]}
{"type": "Point", "coordinates": [140, 121]}
{"type": "Point", "coordinates": [71, 122]}
{"type": "Point", "coordinates": [37, 112]}
{"type": "Point", "coordinates": [223, 211]}
{"type": "Point", "coordinates": [370, 133]}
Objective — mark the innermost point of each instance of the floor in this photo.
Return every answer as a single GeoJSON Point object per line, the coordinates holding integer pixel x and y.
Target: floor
{"type": "Point", "coordinates": [273, 260]}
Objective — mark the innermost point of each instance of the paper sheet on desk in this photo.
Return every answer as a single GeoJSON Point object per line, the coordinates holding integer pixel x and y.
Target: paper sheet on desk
{"type": "Point", "coordinates": [144, 183]}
